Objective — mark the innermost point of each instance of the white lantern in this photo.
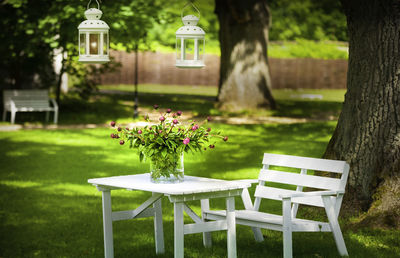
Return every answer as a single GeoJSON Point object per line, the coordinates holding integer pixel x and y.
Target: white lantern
{"type": "Point", "coordinates": [190, 42]}
{"type": "Point", "coordinates": [93, 37]}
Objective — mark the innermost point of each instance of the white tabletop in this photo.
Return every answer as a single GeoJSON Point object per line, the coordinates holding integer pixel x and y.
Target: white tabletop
{"type": "Point", "coordinates": [190, 185]}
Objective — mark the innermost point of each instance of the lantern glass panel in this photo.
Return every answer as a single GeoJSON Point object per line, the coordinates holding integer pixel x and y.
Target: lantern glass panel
{"type": "Point", "coordinates": [189, 49]}
{"type": "Point", "coordinates": [82, 43]}
{"type": "Point", "coordinates": [200, 49]}
{"type": "Point", "coordinates": [105, 43]}
{"type": "Point", "coordinates": [94, 44]}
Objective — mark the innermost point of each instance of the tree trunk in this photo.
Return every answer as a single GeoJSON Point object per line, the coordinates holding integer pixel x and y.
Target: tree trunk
{"type": "Point", "coordinates": [368, 131]}
{"type": "Point", "coordinates": [244, 74]}
{"type": "Point", "coordinates": [59, 80]}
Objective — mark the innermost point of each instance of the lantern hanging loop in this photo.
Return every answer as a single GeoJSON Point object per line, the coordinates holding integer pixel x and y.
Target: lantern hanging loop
{"type": "Point", "coordinates": [98, 5]}
{"type": "Point", "coordinates": [186, 5]}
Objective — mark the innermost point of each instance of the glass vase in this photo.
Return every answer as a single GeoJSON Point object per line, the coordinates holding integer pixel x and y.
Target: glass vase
{"type": "Point", "coordinates": [167, 169]}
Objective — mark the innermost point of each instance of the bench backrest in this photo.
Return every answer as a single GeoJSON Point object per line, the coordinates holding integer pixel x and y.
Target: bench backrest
{"type": "Point", "coordinates": [301, 178]}
{"type": "Point", "coordinates": [27, 98]}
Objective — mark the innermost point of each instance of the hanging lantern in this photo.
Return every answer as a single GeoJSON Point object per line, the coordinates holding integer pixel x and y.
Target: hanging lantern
{"type": "Point", "coordinates": [190, 42]}
{"type": "Point", "coordinates": [93, 37]}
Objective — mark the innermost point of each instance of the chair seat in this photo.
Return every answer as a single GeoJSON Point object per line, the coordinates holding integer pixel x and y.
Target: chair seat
{"type": "Point", "coordinates": [270, 221]}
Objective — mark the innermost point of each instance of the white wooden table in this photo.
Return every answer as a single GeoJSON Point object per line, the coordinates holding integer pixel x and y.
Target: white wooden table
{"type": "Point", "coordinates": [191, 189]}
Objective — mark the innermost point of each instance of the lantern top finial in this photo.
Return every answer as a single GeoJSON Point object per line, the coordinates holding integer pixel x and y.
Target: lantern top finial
{"type": "Point", "coordinates": [93, 14]}
{"type": "Point", "coordinates": [190, 20]}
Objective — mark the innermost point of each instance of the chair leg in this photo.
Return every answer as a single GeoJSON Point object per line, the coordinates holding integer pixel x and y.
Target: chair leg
{"type": "Point", "coordinates": [287, 228]}
{"type": "Point", "coordinates": [335, 227]}
{"type": "Point", "coordinates": [13, 113]}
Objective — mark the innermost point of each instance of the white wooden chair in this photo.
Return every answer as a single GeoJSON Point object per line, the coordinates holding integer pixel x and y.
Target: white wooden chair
{"type": "Point", "coordinates": [329, 196]}
{"type": "Point", "coordinates": [28, 101]}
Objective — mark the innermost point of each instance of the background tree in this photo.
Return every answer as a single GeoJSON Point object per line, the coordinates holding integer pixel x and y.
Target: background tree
{"type": "Point", "coordinates": [368, 131]}
{"type": "Point", "coordinates": [244, 74]}
{"type": "Point", "coordinates": [30, 36]}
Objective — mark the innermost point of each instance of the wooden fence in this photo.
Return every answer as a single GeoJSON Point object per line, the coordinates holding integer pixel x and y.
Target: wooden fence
{"type": "Point", "coordinates": [159, 68]}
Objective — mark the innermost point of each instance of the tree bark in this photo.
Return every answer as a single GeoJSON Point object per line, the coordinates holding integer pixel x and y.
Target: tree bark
{"type": "Point", "coordinates": [368, 131]}
{"type": "Point", "coordinates": [244, 73]}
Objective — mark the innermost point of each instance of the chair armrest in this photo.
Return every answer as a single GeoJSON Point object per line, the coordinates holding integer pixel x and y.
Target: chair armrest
{"type": "Point", "coordinates": [310, 194]}
{"type": "Point", "coordinates": [54, 103]}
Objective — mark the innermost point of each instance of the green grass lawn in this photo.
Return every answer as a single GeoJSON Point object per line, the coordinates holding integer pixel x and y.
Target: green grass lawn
{"type": "Point", "coordinates": [49, 210]}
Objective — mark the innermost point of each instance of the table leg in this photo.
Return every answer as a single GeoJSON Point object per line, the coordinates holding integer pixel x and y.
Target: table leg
{"type": "Point", "coordinates": [205, 206]}
{"type": "Point", "coordinates": [107, 224]}
{"type": "Point", "coordinates": [178, 230]}
{"type": "Point", "coordinates": [158, 227]}
{"type": "Point", "coordinates": [231, 224]}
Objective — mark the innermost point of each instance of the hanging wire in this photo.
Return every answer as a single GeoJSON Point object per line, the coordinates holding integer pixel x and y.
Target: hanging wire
{"type": "Point", "coordinates": [98, 5]}
{"type": "Point", "coordinates": [186, 5]}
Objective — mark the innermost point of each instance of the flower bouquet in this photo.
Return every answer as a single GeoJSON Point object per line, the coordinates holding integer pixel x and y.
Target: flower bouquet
{"type": "Point", "coordinates": [164, 143]}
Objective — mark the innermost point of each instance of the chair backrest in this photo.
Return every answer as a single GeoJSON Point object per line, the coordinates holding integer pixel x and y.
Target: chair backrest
{"type": "Point", "coordinates": [301, 178]}
{"type": "Point", "coordinates": [27, 98]}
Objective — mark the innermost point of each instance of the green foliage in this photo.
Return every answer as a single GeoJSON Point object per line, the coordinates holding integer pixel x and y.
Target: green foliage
{"type": "Point", "coordinates": [26, 59]}
{"type": "Point", "coordinates": [302, 48]}
{"type": "Point", "coordinates": [308, 19]}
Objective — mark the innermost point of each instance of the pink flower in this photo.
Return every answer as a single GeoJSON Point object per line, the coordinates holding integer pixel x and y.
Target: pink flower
{"type": "Point", "coordinates": [225, 138]}
{"type": "Point", "coordinates": [119, 129]}
{"type": "Point", "coordinates": [121, 142]}
{"type": "Point", "coordinates": [112, 136]}
{"type": "Point", "coordinates": [112, 123]}
{"type": "Point", "coordinates": [139, 131]}
{"type": "Point", "coordinates": [209, 129]}
{"type": "Point", "coordinates": [155, 106]}
{"type": "Point", "coordinates": [174, 115]}
{"type": "Point", "coordinates": [162, 118]}
{"type": "Point", "coordinates": [212, 146]}
{"type": "Point", "coordinates": [209, 118]}
{"type": "Point", "coordinates": [175, 121]}
{"type": "Point", "coordinates": [195, 127]}
{"type": "Point", "coordinates": [179, 113]}
{"type": "Point", "coordinates": [169, 110]}
{"type": "Point", "coordinates": [186, 141]}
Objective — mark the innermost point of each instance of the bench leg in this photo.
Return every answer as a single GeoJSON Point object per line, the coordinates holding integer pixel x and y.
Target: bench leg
{"type": "Point", "coordinates": [13, 113]}
{"type": "Point", "coordinates": [4, 114]}
{"type": "Point", "coordinates": [55, 116]}
{"type": "Point", "coordinates": [47, 116]}
{"type": "Point", "coordinates": [205, 206]}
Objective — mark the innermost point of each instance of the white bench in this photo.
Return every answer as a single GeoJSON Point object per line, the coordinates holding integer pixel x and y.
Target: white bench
{"type": "Point", "coordinates": [28, 101]}
{"type": "Point", "coordinates": [329, 196]}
